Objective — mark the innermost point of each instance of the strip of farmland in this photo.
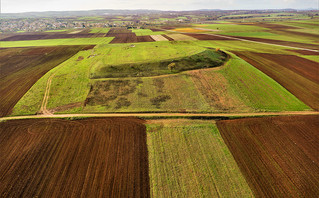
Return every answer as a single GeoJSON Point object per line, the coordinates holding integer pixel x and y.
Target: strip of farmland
{"type": "Point", "coordinates": [27, 37]}
{"type": "Point", "coordinates": [30, 64]}
{"type": "Point", "coordinates": [298, 75]}
{"type": "Point", "coordinates": [277, 155]}
{"type": "Point", "coordinates": [123, 35]}
{"type": "Point", "coordinates": [82, 158]}
{"type": "Point", "coordinates": [190, 159]}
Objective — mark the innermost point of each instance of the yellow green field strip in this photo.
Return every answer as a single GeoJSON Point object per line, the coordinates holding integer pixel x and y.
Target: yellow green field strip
{"type": "Point", "coordinates": [56, 42]}
{"type": "Point", "coordinates": [190, 159]}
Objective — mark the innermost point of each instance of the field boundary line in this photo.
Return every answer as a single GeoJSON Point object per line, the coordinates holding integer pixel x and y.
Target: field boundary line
{"type": "Point", "coordinates": [239, 39]}
{"type": "Point", "coordinates": [166, 115]}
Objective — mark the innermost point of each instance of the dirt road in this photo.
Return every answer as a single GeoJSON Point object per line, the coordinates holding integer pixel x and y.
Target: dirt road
{"type": "Point", "coordinates": [166, 115]}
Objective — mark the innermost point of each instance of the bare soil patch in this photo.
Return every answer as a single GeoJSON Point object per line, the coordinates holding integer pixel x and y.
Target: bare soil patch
{"type": "Point", "coordinates": [304, 52]}
{"type": "Point", "coordinates": [96, 157]}
{"type": "Point", "coordinates": [123, 35]}
{"type": "Point", "coordinates": [277, 155]}
{"type": "Point", "coordinates": [167, 37]}
{"type": "Point", "coordinates": [279, 42]}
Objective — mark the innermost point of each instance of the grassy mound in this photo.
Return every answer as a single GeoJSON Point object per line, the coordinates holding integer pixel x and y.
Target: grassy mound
{"type": "Point", "coordinates": [205, 59]}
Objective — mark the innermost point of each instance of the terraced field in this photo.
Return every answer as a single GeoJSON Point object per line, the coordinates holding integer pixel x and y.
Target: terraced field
{"type": "Point", "coordinates": [278, 155]}
{"type": "Point", "coordinates": [80, 158]}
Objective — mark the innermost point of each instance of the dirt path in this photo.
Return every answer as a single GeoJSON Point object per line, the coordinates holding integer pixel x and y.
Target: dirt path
{"type": "Point", "coordinates": [43, 108]}
{"type": "Point", "coordinates": [166, 115]}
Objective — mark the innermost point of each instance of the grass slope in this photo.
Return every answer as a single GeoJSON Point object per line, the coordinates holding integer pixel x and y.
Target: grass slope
{"type": "Point", "coordinates": [205, 59]}
{"type": "Point", "coordinates": [235, 87]}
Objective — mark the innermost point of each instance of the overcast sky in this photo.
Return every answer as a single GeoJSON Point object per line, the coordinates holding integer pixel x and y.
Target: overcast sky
{"type": "Point", "coordinates": [13, 6]}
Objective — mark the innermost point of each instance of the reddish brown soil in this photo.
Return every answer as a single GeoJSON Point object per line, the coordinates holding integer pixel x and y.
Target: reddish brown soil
{"type": "Point", "coordinates": [22, 67]}
{"type": "Point", "coordinates": [123, 35]}
{"type": "Point", "coordinates": [304, 52]}
{"type": "Point", "coordinates": [301, 34]}
{"type": "Point", "coordinates": [206, 37]}
{"type": "Point", "coordinates": [124, 38]}
{"type": "Point", "coordinates": [145, 39]}
{"type": "Point", "coordinates": [167, 37]}
{"type": "Point", "coordinates": [104, 157]}
{"type": "Point", "coordinates": [49, 36]}
{"type": "Point", "coordinates": [278, 42]}
{"type": "Point", "coordinates": [277, 155]}
{"type": "Point", "coordinates": [298, 75]}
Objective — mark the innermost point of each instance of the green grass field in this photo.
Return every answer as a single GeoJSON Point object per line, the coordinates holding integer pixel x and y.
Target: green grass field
{"type": "Point", "coordinates": [117, 54]}
{"type": "Point", "coordinates": [226, 28]}
{"type": "Point", "coordinates": [56, 42]}
{"type": "Point", "coordinates": [190, 159]}
{"type": "Point", "coordinates": [231, 88]}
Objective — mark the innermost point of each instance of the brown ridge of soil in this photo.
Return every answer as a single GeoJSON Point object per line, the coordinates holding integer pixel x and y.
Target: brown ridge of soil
{"type": "Point", "coordinates": [24, 37]}
{"type": "Point", "coordinates": [279, 42]}
{"type": "Point", "coordinates": [30, 64]}
{"type": "Point", "coordinates": [145, 39]}
{"type": "Point", "coordinates": [298, 75]}
{"type": "Point", "coordinates": [304, 52]}
{"type": "Point", "coordinates": [94, 157]}
{"type": "Point", "coordinates": [167, 37]}
{"type": "Point", "coordinates": [206, 37]}
{"type": "Point", "coordinates": [277, 155]}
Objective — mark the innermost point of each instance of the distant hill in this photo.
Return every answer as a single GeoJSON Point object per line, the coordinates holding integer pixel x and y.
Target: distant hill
{"type": "Point", "coordinates": [76, 13]}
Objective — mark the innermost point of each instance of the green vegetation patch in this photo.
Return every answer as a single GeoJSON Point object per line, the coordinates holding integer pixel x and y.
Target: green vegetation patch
{"type": "Point", "coordinates": [205, 59]}
{"type": "Point", "coordinates": [190, 159]}
{"type": "Point", "coordinates": [258, 90]}
{"type": "Point", "coordinates": [174, 93]}
{"type": "Point", "coordinates": [55, 42]}
{"type": "Point", "coordinates": [251, 34]}
{"type": "Point", "coordinates": [69, 85]}
{"type": "Point", "coordinates": [224, 27]}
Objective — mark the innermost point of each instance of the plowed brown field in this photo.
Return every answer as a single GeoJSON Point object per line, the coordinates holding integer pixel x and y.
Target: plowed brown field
{"type": "Point", "coordinates": [279, 42]}
{"type": "Point", "coordinates": [22, 67]}
{"type": "Point", "coordinates": [304, 52]}
{"type": "Point", "coordinates": [277, 155]}
{"type": "Point", "coordinates": [167, 37]}
{"type": "Point", "coordinates": [104, 157]}
{"type": "Point", "coordinates": [123, 35]}
{"type": "Point", "coordinates": [298, 75]}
